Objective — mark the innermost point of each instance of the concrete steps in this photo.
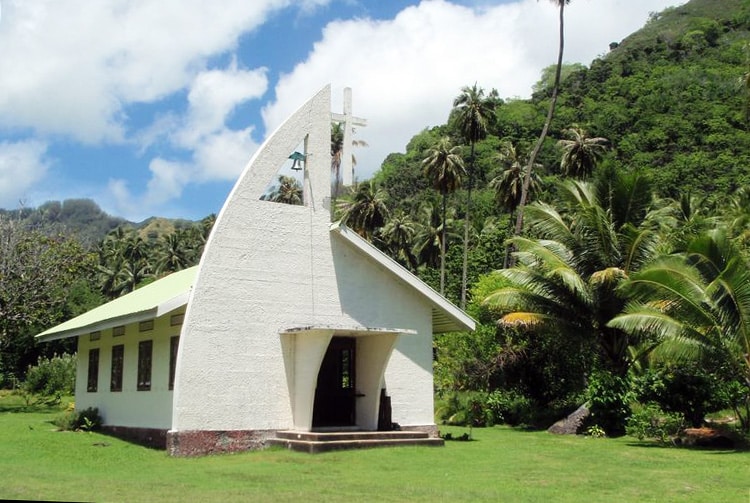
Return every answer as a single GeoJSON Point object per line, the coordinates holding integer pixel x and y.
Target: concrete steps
{"type": "Point", "coordinates": [315, 441]}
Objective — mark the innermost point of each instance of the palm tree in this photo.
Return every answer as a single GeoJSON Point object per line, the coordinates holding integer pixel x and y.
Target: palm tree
{"type": "Point", "coordinates": [508, 185]}
{"type": "Point", "coordinates": [398, 237]}
{"type": "Point", "coordinates": [173, 252]}
{"type": "Point", "coordinates": [289, 191]}
{"type": "Point", "coordinates": [427, 244]}
{"type": "Point", "coordinates": [366, 211]}
{"type": "Point", "coordinates": [445, 168]}
{"type": "Point", "coordinates": [550, 113]}
{"type": "Point", "coordinates": [567, 279]}
{"type": "Point", "coordinates": [581, 153]}
{"type": "Point", "coordinates": [696, 304]}
{"type": "Point", "coordinates": [337, 148]}
{"type": "Point", "coordinates": [472, 111]}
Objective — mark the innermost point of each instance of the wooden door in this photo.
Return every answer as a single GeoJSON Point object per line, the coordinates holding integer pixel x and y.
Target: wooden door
{"type": "Point", "coordinates": [335, 398]}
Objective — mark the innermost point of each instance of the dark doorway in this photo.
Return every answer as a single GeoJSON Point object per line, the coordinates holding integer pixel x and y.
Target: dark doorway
{"type": "Point", "coordinates": [335, 391]}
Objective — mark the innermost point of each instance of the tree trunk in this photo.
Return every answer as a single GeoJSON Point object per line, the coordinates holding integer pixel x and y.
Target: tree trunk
{"type": "Point", "coordinates": [442, 250]}
{"type": "Point", "coordinates": [467, 223]}
{"type": "Point", "coordinates": [545, 129]}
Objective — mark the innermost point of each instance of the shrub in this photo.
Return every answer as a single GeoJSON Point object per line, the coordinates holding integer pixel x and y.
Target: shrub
{"type": "Point", "coordinates": [86, 420]}
{"type": "Point", "coordinates": [467, 408]}
{"type": "Point", "coordinates": [685, 389]}
{"type": "Point", "coordinates": [650, 421]}
{"type": "Point", "coordinates": [609, 397]}
{"type": "Point", "coordinates": [510, 407]}
{"type": "Point", "coordinates": [50, 379]}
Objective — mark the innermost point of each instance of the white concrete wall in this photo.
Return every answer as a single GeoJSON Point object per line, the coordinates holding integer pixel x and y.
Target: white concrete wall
{"type": "Point", "coordinates": [270, 267]}
{"type": "Point", "coordinates": [129, 407]}
{"type": "Point", "coordinates": [375, 298]}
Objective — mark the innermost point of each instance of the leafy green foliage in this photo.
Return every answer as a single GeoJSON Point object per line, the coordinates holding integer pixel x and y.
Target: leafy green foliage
{"type": "Point", "coordinates": [609, 398]}
{"type": "Point", "coordinates": [38, 275]}
{"type": "Point", "coordinates": [84, 420]}
{"type": "Point", "coordinates": [651, 422]}
{"type": "Point", "coordinates": [50, 379]}
{"type": "Point", "coordinates": [686, 389]}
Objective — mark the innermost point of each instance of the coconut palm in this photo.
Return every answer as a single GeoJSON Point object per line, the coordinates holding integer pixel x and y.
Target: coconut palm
{"type": "Point", "coordinates": [398, 236]}
{"type": "Point", "coordinates": [366, 211]}
{"type": "Point", "coordinates": [567, 279]}
{"type": "Point", "coordinates": [289, 191]}
{"type": "Point", "coordinates": [337, 148]}
{"type": "Point", "coordinates": [508, 185]}
{"type": "Point", "coordinates": [581, 153]}
{"type": "Point", "coordinates": [427, 242]}
{"type": "Point", "coordinates": [472, 111]}
{"type": "Point", "coordinates": [550, 113]}
{"type": "Point", "coordinates": [696, 303]}
{"type": "Point", "coordinates": [445, 169]}
{"type": "Point", "coordinates": [173, 253]}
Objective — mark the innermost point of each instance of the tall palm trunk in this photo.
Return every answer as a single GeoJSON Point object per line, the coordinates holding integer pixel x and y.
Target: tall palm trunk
{"type": "Point", "coordinates": [545, 129]}
{"type": "Point", "coordinates": [509, 248]}
{"type": "Point", "coordinates": [442, 248]}
{"type": "Point", "coordinates": [467, 223]}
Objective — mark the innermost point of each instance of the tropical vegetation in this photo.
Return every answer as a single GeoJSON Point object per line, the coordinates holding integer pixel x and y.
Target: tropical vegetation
{"type": "Point", "coordinates": [605, 224]}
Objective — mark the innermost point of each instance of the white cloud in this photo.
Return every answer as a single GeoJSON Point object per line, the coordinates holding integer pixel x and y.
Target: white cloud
{"type": "Point", "coordinates": [22, 164]}
{"type": "Point", "coordinates": [215, 151]}
{"type": "Point", "coordinates": [405, 72]}
{"type": "Point", "coordinates": [71, 67]}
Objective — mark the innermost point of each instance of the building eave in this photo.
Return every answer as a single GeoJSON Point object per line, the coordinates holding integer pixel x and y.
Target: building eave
{"type": "Point", "coordinates": [151, 301]}
{"type": "Point", "coordinates": [446, 316]}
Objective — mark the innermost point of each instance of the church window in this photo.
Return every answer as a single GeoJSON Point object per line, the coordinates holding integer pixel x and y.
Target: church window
{"type": "Point", "coordinates": [145, 350]}
{"type": "Point", "coordinates": [118, 353]}
{"type": "Point", "coordinates": [174, 343]}
{"type": "Point", "coordinates": [92, 383]}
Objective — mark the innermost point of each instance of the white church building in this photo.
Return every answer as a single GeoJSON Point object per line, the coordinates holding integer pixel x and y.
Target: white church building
{"type": "Point", "coordinates": [290, 323]}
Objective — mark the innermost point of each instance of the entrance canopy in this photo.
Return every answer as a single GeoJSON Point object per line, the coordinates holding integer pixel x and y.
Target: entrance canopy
{"type": "Point", "coordinates": [304, 349]}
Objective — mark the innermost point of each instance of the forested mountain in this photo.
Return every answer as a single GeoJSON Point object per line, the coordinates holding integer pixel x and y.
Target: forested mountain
{"type": "Point", "coordinates": [672, 99]}
{"type": "Point", "coordinates": [86, 221]}
{"type": "Point", "coordinates": [626, 287]}
{"type": "Point", "coordinates": [671, 104]}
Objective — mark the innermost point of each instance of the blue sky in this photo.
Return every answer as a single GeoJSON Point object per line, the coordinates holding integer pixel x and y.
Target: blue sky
{"type": "Point", "coordinates": [153, 107]}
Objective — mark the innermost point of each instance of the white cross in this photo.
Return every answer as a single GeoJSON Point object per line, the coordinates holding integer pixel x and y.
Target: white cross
{"type": "Point", "coordinates": [349, 122]}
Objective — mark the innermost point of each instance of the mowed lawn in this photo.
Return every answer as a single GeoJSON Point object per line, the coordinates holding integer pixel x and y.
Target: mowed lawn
{"type": "Point", "coordinates": [501, 464]}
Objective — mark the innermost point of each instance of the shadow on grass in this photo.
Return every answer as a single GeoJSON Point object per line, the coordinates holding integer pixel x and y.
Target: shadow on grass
{"type": "Point", "coordinates": [713, 450]}
{"type": "Point", "coordinates": [23, 408]}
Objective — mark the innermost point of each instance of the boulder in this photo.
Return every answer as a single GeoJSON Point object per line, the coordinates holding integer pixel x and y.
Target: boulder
{"type": "Point", "coordinates": [571, 424]}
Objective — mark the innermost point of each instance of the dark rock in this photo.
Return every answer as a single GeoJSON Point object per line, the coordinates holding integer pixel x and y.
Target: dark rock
{"type": "Point", "coordinates": [706, 437]}
{"type": "Point", "coordinates": [570, 425]}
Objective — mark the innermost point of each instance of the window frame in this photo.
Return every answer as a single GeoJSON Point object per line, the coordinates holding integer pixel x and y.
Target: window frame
{"type": "Point", "coordinates": [118, 364]}
{"type": "Point", "coordinates": [145, 364]}
{"type": "Point", "coordinates": [92, 379]}
{"type": "Point", "coordinates": [174, 345]}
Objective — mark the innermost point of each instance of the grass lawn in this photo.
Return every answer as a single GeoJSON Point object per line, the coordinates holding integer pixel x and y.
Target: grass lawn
{"type": "Point", "coordinates": [502, 464]}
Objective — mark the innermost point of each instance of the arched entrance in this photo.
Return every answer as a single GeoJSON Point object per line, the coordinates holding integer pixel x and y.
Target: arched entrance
{"type": "Point", "coordinates": [335, 392]}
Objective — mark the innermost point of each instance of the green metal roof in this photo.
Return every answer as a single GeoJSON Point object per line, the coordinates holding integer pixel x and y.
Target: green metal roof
{"type": "Point", "coordinates": [148, 302]}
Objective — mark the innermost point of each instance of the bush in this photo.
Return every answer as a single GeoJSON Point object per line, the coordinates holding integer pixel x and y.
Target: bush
{"type": "Point", "coordinates": [510, 407]}
{"type": "Point", "coordinates": [50, 379]}
{"type": "Point", "coordinates": [468, 408]}
{"type": "Point", "coordinates": [608, 396]}
{"type": "Point", "coordinates": [650, 421]}
{"type": "Point", "coordinates": [685, 389]}
{"type": "Point", "coordinates": [86, 420]}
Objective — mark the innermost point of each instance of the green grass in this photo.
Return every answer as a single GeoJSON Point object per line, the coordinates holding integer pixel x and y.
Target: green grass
{"type": "Point", "coordinates": [502, 464]}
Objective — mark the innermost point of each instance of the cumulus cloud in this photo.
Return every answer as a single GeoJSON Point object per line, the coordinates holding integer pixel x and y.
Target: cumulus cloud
{"type": "Point", "coordinates": [405, 72]}
{"type": "Point", "coordinates": [71, 67]}
{"type": "Point", "coordinates": [22, 164]}
{"type": "Point", "coordinates": [215, 151]}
